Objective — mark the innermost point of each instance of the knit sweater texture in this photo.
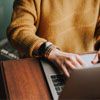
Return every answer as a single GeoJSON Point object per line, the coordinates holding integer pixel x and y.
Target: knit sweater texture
{"type": "Point", "coordinates": [71, 25]}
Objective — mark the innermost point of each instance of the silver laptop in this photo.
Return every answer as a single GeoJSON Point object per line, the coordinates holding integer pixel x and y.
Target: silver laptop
{"type": "Point", "coordinates": [56, 79]}
{"type": "Point", "coordinates": [84, 84]}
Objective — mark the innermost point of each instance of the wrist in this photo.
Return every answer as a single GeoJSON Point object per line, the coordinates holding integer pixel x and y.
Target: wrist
{"type": "Point", "coordinates": [49, 50]}
{"type": "Point", "coordinates": [44, 50]}
{"type": "Point", "coordinates": [53, 53]}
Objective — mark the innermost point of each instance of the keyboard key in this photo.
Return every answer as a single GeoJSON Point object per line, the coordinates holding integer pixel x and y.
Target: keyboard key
{"type": "Point", "coordinates": [58, 81]}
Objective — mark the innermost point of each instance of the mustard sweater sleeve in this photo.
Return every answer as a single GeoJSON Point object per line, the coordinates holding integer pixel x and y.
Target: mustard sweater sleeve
{"type": "Point", "coordinates": [97, 34]}
{"type": "Point", "coordinates": [24, 24]}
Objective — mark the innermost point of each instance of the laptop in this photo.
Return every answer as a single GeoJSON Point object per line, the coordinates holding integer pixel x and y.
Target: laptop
{"type": "Point", "coordinates": [56, 80]}
{"type": "Point", "coordinates": [83, 84]}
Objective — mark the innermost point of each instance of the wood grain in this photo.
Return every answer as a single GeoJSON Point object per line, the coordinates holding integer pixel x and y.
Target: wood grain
{"type": "Point", "coordinates": [24, 80]}
{"type": "Point", "coordinates": [3, 95]}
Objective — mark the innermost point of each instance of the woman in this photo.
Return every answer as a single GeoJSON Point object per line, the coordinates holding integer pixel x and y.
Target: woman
{"type": "Point", "coordinates": [56, 30]}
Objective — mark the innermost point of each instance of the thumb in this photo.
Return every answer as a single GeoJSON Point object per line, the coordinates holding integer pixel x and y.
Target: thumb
{"type": "Point", "coordinates": [99, 57]}
{"type": "Point", "coordinates": [95, 60]}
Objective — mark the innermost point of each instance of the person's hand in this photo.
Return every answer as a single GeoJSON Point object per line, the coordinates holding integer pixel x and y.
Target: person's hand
{"type": "Point", "coordinates": [96, 58]}
{"type": "Point", "coordinates": [65, 61]}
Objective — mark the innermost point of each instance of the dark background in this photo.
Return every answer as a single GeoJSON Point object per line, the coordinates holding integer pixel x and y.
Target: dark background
{"type": "Point", "coordinates": [6, 8]}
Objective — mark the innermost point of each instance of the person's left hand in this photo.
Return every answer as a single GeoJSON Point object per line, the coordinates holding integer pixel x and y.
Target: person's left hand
{"type": "Point", "coordinates": [96, 58]}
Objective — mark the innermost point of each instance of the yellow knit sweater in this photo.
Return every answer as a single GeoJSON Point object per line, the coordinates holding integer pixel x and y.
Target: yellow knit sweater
{"type": "Point", "coordinates": [71, 25]}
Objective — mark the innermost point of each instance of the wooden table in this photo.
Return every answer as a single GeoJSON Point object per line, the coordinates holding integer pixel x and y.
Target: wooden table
{"type": "Point", "coordinates": [23, 80]}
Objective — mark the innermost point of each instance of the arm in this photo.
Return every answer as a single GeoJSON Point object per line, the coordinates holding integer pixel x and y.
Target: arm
{"type": "Point", "coordinates": [97, 34]}
{"type": "Point", "coordinates": [23, 27]}
{"type": "Point", "coordinates": [22, 34]}
{"type": "Point", "coordinates": [97, 44]}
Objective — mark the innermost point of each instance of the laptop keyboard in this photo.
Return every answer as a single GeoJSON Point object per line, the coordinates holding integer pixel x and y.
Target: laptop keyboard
{"type": "Point", "coordinates": [58, 81]}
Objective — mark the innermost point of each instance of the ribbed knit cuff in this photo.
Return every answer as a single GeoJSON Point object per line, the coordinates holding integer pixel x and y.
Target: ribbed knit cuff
{"type": "Point", "coordinates": [36, 46]}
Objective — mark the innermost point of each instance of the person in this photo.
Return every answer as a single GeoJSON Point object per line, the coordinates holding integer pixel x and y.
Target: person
{"type": "Point", "coordinates": [57, 30]}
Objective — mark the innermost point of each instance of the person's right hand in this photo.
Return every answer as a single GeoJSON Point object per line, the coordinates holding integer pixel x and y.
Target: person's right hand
{"type": "Point", "coordinates": [65, 61]}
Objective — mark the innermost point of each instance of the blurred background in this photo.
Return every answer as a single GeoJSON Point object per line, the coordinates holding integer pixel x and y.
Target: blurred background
{"type": "Point", "coordinates": [6, 50]}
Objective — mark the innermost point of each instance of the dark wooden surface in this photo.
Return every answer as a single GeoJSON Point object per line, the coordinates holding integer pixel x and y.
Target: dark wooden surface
{"type": "Point", "coordinates": [24, 80]}
{"type": "Point", "coordinates": [3, 95]}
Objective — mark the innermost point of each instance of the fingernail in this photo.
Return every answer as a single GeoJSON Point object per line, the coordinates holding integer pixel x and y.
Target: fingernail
{"type": "Point", "coordinates": [68, 75]}
{"type": "Point", "coordinates": [94, 61]}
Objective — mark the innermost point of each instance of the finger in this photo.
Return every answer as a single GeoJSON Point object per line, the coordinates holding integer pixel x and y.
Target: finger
{"type": "Point", "coordinates": [64, 69]}
{"type": "Point", "coordinates": [95, 60]}
{"type": "Point", "coordinates": [99, 55]}
{"type": "Point", "coordinates": [78, 58]}
{"type": "Point", "coordinates": [69, 64]}
{"type": "Point", "coordinates": [75, 62]}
